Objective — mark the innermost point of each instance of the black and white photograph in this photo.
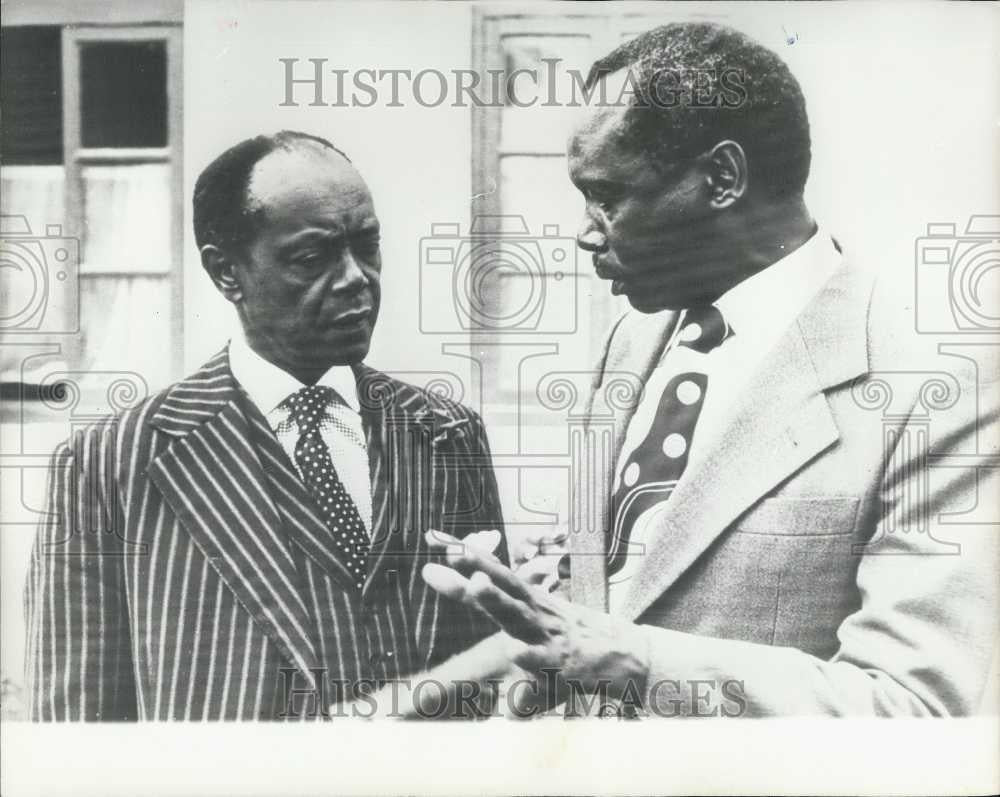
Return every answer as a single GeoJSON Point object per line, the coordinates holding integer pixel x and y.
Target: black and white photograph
{"type": "Point", "coordinates": [467, 397]}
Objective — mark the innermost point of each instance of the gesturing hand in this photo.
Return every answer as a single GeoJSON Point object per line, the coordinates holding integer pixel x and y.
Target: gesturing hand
{"type": "Point", "coordinates": [541, 559]}
{"type": "Point", "coordinates": [589, 648]}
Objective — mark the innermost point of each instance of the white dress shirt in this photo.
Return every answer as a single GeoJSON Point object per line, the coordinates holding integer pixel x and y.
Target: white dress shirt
{"type": "Point", "coordinates": [342, 429]}
{"type": "Point", "coordinates": [758, 310]}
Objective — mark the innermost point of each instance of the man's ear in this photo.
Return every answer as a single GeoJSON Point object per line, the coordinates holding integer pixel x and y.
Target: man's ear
{"type": "Point", "coordinates": [727, 174]}
{"type": "Point", "coordinates": [221, 267]}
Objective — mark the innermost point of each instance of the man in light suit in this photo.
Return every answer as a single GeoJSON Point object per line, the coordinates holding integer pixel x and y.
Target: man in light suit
{"type": "Point", "coordinates": [246, 543]}
{"type": "Point", "coordinates": [772, 538]}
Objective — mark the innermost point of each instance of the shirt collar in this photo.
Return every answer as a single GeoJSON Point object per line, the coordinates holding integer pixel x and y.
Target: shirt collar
{"type": "Point", "coordinates": [268, 385]}
{"type": "Point", "coordinates": [766, 303]}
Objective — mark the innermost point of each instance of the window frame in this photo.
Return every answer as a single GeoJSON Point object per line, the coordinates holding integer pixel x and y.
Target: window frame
{"type": "Point", "coordinates": [76, 156]}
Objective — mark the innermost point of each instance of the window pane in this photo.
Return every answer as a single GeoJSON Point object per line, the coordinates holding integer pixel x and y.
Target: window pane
{"type": "Point", "coordinates": [126, 326]}
{"type": "Point", "coordinates": [35, 192]}
{"type": "Point", "coordinates": [31, 96]}
{"type": "Point", "coordinates": [126, 211]}
{"type": "Point", "coordinates": [123, 95]}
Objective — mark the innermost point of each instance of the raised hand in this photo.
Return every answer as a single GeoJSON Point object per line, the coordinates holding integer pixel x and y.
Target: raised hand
{"type": "Point", "coordinates": [589, 649]}
{"type": "Point", "coordinates": [542, 559]}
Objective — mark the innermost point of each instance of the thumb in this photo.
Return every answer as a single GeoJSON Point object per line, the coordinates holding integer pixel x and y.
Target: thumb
{"type": "Point", "coordinates": [483, 541]}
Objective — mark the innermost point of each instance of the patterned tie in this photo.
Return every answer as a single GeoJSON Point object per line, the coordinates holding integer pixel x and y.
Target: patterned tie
{"type": "Point", "coordinates": [307, 407]}
{"type": "Point", "coordinates": [654, 467]}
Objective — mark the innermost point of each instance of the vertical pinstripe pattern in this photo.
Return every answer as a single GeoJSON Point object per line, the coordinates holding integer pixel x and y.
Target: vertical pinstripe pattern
{"type": "Point", "coordinates": [181, 565]}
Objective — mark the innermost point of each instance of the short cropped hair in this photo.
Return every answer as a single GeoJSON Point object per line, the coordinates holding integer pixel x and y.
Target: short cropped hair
{"type": "Point", "coordinates": [221, 213]}
{"type": "Point", "coordinates": [769, 120]}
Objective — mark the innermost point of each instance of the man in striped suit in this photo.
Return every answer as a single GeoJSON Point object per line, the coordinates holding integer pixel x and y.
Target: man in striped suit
{"type": "Point", "coordinates": [247, 543]}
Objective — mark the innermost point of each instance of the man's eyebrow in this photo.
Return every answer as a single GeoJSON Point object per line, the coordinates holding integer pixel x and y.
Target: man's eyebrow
{"type": "Point", "coordinates": [309, 236]}
{"type": "Point", "coordinates": [317, 235]}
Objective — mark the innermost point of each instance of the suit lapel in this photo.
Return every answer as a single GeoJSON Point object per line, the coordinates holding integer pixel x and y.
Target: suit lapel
{"type": "Point", "coordinates": [212, 479]}
{"type": "Point", "coordinates": [399, 433]}
{"type": "Point", "coordinates": [772, 434]}
{"type": "Point", "coordinates": [780, 422]}
{"type": "Point", "coordinates": [622, 374]}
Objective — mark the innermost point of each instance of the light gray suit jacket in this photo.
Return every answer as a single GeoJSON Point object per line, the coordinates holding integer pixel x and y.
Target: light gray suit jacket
{"type": "Point", "coordinates": [833, 552]}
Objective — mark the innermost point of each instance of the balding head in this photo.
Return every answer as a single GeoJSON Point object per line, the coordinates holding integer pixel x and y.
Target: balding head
{"type": "Point", "coordinates": [221, 215]}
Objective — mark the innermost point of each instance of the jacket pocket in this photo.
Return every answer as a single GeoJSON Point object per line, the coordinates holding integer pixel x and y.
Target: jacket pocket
{"type": "Point", "coordinates": [807, 516]}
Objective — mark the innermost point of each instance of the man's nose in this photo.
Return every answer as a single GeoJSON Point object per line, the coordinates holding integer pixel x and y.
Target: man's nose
{"type": "Point", "coordinates": [352, 278]}
{"type": "Point", "coordinates": [590, 239]}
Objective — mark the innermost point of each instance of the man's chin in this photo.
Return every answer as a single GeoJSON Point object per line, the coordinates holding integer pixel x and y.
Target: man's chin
{"type": "Point", "coordinates": [349, 343]}
{"type": "Point", "coordinates": [339, 350]}
{"type": "Point", "coordinates": [352, 355]}
{"type": "Point", "coordinates": [646, 303]}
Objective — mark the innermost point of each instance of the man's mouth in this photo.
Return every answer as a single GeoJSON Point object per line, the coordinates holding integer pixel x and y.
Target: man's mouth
{"type": "Point", "coordinates": [352, 318]}
{"type": "Point", "coordinates": [618, 283]}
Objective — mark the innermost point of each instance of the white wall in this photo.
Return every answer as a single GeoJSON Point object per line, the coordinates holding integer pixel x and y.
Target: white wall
{"type": "Point", "coordinates": [903, 103]}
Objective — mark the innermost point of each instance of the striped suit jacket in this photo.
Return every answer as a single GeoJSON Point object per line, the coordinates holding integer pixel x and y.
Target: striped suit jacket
{"type": "Point", "coordinates": [183, 572]}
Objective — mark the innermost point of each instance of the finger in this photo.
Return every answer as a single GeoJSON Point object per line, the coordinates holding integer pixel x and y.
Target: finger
{"type": "Point", "coordinates": [546, 536]}
{"type": "Point", "coordinates": [478, 592]}
{"type": "Point", "coordinates": [440, 541]}
{"type": "Point", "coordinates": [534, 543]}
{"type": "Point", "coordinates": [522, 552]}
{"type": "Point", "coordinates": [467, 561]}
{"type": "Point", "coordinates": [501, 576]}
{"type": "Point", "coordinates": [534, 658]}
{"type": "Point", "coordinates": [485, 542]}
{"type": "Point", "coordinates": [538, 570]}
{"type": "Point", "coordinates": [556, 544]}
{"type": "Point", "coordinates": [527, 545]}
{"type": "Point", "coordinates": [481, 594]}
{"type": "Point", "coordinates": [512, 615]}
{"type": "Point", "coordinates": [446, 581]}
{"type": "Point", "coordinates": [551, 583]}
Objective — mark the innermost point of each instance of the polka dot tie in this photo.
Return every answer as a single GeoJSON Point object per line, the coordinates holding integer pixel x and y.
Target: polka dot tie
{"type": "Point", "coordinates": [307, 408]}
{"type": "Point", "coordinates": [654, 467]}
